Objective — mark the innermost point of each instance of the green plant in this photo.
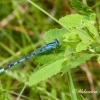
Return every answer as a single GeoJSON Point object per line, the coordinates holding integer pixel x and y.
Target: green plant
{"type": "Point", "coordinates": [79, 42]}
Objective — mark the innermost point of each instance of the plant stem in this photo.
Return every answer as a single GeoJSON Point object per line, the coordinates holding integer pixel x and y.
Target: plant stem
{"type": "Point", "coordinates": [71, 87]}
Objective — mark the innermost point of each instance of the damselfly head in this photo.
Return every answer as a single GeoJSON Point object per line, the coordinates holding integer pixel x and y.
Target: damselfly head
{"type": "Point", "coordinates": [57, 42]}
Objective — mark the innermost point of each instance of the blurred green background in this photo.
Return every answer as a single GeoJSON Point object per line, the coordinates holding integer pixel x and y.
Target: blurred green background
{"type": "Point", "coordinates": [22, 28]}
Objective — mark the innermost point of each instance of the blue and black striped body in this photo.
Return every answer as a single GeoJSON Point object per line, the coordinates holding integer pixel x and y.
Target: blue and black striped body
{"type": "Point", "coordinates": [47, 47]}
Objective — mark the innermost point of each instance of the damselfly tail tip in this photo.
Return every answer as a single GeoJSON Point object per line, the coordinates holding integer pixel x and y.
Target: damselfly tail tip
{"type": "Point", "coordinates": [2, 70]}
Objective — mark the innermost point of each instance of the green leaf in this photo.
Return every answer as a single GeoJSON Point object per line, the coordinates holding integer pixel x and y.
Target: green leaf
{"type": "Point", "coordinates": [95, 47]}
{"type": "Point", "coordinates": [55, 34]}
{"type": "Point", "coordinates": [48, 57]}
{"type": "Point", "coordinates": [82, 9]}
{"type": "Point", "coordinates": [46, 72]}
{"type": "Point", "coordinates": [98, 59]}
{"type": "Point", "coordinates": [92, 29]}
{"type": "Point", "coordinates": [73, 21]}
{"type": "Point", "coordinates": [76, 62]}
{"type": "Point", "coordinates": [72, 36]}
{"type": "Point", "coordinates": [81, 46]}
{"type": "Point", "coordinates": [68, 51]}
{"type": "Point", "coordinates": [85, 37]}
{"type": "Point", "coordinates": [72, 45]}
